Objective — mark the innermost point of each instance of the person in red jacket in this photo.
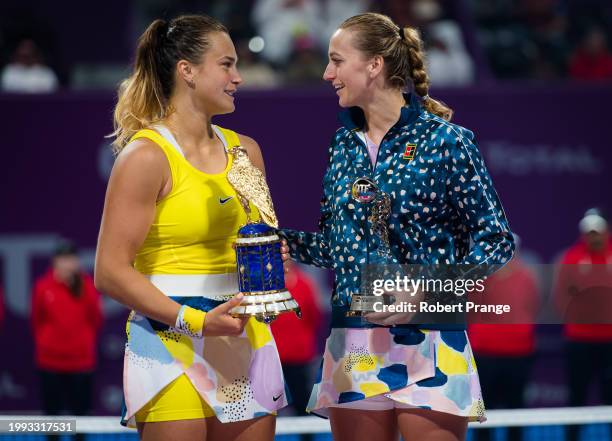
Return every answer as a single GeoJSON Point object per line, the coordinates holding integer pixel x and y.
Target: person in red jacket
{"type": "Point", "coordinates": [66, 318]}
{"type": "Point", "coordinates": [583, 293]}
{"type": "Point", "coordinates": [592, 60]}
{"type": "Point", "coordinates": [296, 339]}
{"type": "Point", "coordinates": [504, 346]}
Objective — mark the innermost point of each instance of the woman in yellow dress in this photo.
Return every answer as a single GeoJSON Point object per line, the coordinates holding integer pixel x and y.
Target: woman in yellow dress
{"type": "Point", "coordinates": [191, 370]}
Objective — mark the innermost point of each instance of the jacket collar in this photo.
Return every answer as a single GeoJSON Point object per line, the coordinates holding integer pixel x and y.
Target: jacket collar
{"type": "Point", "coordinates": [354, 119]}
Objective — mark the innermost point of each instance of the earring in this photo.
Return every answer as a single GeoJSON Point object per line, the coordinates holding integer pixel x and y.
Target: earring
{"type": "Point", "coordinates": [190, 84]}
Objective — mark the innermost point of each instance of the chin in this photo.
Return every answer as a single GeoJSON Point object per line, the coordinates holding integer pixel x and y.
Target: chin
{"type": "Point", "coordinates": [225, 108]}
{"type": "Point", "coordinates": [345, 100]}
{"type": "Point", "coordinates": [345, 103]}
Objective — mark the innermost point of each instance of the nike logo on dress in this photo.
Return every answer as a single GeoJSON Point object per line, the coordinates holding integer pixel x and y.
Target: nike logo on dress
{"type": "Point", "coordinates": [276, 398]}
{"type": "Point", "coordinates": [223, 201]}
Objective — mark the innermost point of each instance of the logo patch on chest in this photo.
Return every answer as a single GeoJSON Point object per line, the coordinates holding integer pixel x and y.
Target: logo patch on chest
{"type": "Point", "coordinates": [409, 152]}
{"type": "Point", "coordinates": [222, 201]}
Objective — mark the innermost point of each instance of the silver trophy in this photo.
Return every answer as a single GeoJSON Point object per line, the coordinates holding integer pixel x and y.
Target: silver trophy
{"type": "Point", "coordinates": [365, 191]}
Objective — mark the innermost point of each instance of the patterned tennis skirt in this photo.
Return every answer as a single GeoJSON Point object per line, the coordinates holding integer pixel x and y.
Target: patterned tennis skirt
{"type": "Point", "coordinates": [418, 368]}
{"type": "Point", "coordinates": [239, 377]}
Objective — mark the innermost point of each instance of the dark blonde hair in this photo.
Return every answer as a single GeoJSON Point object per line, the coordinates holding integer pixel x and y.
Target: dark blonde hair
{"type": "Point", "coordinates": [144, 96]}
{"type": "Point", "coordinates": [402, 51]}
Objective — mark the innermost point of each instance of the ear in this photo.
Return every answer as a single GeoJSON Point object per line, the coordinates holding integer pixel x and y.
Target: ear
{"type": "Point", "coordinates": [185, 71]}
{"type": "Point", "coordinates": [376, 66]}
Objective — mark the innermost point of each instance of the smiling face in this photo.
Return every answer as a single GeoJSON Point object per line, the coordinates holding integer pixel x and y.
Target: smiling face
{"type": "Point", "coordinates": [216, 78]}
{"type": "Point", "coordinates": [348, 70]}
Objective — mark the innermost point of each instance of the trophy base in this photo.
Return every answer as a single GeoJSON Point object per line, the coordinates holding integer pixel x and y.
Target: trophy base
{"type": "Point", "coordinates": [268, 318]}
{"type": "Point", "coordinates": [356, 313]}
{"type": "Point", "coordinates": [266, 306]}
{"type": "Point", "coordinates": [362, 305]}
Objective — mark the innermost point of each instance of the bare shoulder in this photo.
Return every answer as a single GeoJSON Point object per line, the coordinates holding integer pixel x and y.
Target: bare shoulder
{"type": "Point", "coordinates": [141, 164]}
{"type": "Point", "coordinates": [249, 144]}
{"type": "Point", "coordinates": [142, 152]}
{"type": "Point", "coordinates": [253, 150]}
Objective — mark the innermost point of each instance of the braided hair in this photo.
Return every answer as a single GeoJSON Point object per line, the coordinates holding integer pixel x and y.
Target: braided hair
{"type": "Point", "coordinates": [402, 52]}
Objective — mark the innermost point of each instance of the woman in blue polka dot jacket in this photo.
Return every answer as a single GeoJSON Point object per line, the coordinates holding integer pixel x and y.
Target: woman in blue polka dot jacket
{"type": "Point", "coordinates": [377, 379]}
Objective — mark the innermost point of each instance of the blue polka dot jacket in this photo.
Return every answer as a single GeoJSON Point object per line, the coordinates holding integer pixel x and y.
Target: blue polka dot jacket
{"type": "Point", "coordinates": [444, 209]}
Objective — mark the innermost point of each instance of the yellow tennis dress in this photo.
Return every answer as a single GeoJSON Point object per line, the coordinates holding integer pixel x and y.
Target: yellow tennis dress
{"type": "Point", "coordinates": [188, 255]}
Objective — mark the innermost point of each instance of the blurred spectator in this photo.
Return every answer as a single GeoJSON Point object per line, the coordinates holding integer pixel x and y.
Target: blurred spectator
{"type": "Point", "coordinates": [334, 12]}
{"type": "Point", "coordinates": [255, 73]}
{"type": "Point", "coordinates": [506, 350]}
{"type": "Point", "coordinates": [509, 51]}
{"type": "Point", "coordinates": [546, 27]}
{"type": "Point", "coordinates": [280, 22]}
{"type": "Point", "coordinates": [66, 318]}
{"type": "Point", "coordinates": [306, 64]}
{"type": "Point", "coordinates": [296, 339]}
{"type": "Point", "coordinates": [448, 61]}
{"type": "Point", "coordinates": [585, 14]}
{"type": "Point", "coordinates": [524, 38]}
{"type": "Point", "coordinates": [592, 60]}
{"type": "Point", "coordinates": [235, 15]}
{"type": "Point", "coordinates": [27, 73]}
{"type": "Point", "coordinates": [579, 280]}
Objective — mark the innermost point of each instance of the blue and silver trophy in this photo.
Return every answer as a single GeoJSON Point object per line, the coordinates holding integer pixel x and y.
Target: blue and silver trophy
{"type": "Point", "coordinates": [261, 276]}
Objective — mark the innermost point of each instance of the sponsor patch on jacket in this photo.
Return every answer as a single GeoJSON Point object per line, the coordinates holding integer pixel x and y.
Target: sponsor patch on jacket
{"type": "Point", "coordinates": [409, 152]}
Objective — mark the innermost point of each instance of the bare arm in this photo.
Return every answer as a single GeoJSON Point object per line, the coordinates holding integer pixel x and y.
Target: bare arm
{"type": "Point", "coordinates": [138, 176]}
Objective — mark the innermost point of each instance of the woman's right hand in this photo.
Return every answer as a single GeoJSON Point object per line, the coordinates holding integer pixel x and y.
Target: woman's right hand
{"type": "Point", "coordinates": [219, 321]}
{"type": "Point", "coordinates": [285, 255]}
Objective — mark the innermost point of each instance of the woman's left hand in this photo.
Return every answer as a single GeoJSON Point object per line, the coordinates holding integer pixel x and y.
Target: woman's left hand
{"type": "Point", "coordinates": [395, 318]}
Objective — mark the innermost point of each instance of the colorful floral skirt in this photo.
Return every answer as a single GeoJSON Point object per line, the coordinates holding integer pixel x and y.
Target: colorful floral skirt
{"type": "Point", "coordinates": [425, 369]}
{"type": "Point", "coordinates": [239, 377]}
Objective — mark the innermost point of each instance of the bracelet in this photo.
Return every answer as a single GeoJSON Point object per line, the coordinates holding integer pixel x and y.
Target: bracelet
{"type": "Point", "coordinates": [190, 321]}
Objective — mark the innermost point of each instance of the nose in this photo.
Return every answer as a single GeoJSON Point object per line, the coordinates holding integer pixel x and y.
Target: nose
{"type": "Point", "coordinates": [237, 79]}
{"type": "Point", "coordinates": [329, 74]}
